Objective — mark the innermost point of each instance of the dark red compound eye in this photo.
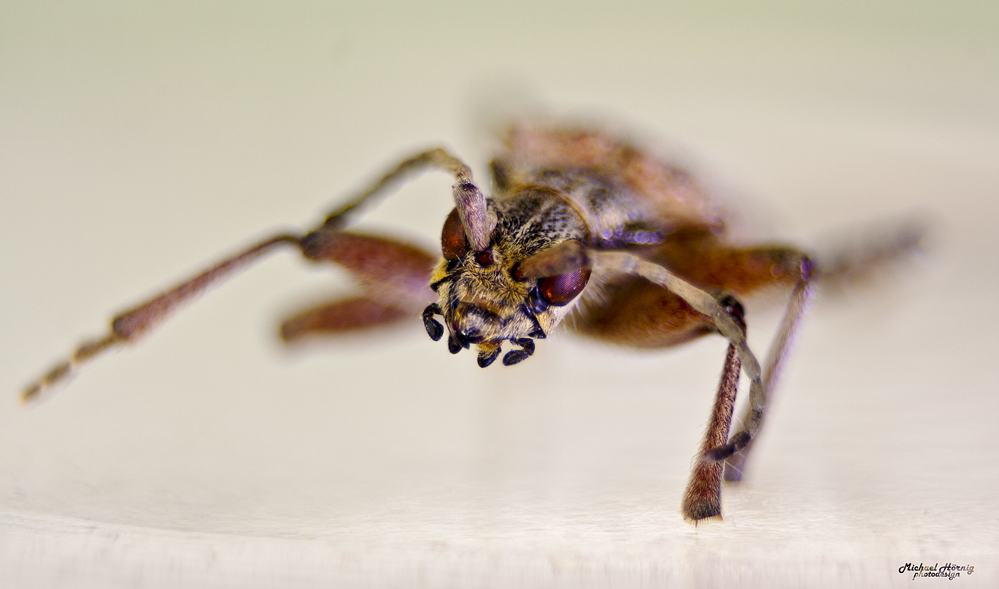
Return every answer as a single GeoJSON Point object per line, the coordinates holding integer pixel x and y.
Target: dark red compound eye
{"type": "Point", "coordinates": [559, 290]}
{"type": "Point", "coordinates": [453, 241]}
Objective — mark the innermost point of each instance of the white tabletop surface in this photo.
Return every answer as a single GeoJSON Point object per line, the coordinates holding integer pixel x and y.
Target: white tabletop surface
{"type": "Point", "coordinates": [139, 143]}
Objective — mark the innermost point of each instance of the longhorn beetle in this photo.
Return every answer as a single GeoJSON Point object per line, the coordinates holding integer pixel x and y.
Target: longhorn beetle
{"type": "Point", "coordinates": [582, 225]}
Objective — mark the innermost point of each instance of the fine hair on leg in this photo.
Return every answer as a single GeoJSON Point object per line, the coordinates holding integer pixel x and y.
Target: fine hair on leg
{"type": "Point", "coordinates": [702, 498]}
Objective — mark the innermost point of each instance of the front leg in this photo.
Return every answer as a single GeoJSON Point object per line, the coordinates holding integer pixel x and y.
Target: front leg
{"type": "Point", "coordinates": [393, 275]}
{"type": "Point", "coordinates": [702, 498]}
{"type": "Point", "coordinates": [640, 314]}
{"type": "Point", "coordinates": [705, 304]}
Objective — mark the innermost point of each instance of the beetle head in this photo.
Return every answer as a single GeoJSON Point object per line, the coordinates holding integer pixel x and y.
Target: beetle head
{"type": "Point", "coordinates": [507, 290]}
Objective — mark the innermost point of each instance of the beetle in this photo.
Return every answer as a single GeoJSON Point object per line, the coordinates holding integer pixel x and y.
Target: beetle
{"type": "Point", "coordinates": [583, 229]}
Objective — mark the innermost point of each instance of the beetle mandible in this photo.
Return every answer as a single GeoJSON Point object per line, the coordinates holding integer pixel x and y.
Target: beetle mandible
{"type": "Point", "coordinates": [581, 223]}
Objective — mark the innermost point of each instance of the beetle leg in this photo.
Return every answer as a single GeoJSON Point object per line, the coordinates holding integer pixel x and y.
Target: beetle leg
{"type": "Point", "coordinates": [850, 263]}
{"type": "Point", "coordinates": [639, 313]}
{"type": "Point", "coordinates": [703, 303]}
{"type": "Point", "coordinates": [702, 498]}
{"type": "Point", "coordinates": [341, 316]}
{"type": "Point", "coordinates": [389, 271]}
{"type": "Point", "coordinates": [703, 258]}
{"type": "Point", "coordinates": [796, 307]}
{"type": "Point", "coordinates": [394, 276]}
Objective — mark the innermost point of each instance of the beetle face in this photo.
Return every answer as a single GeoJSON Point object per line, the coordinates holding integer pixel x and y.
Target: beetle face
{"type": "Point", "coordinates": [484, 300]}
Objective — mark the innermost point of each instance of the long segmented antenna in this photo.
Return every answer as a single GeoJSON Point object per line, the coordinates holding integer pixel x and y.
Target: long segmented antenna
{"type": "Point", "coordinates": [468, 199]}
{"type": "Point", "coordinates": [132, 324]}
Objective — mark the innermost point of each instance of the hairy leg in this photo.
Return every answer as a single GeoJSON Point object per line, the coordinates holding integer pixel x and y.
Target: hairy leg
{"type": "Point", "coordinates": [641, 313]}
{"type": "Point", "coordinates": [707, 260]}
{"type": "Point", "coordinates": [779, 349]}
{"type": "Point", "coordinates": [389, 271]}
{"type": "Point", "coordinates": [705, 304]}
{"type": "Point", "coordinates": [341, 316]}
{"type": "Point", "coordinates": [702, 499]}
{"type": "Point", "coordinates": [394, 277]}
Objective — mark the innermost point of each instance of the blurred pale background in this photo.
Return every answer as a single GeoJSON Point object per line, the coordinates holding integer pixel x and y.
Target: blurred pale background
{"type": "Point", "coordinates": [139, 142]}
